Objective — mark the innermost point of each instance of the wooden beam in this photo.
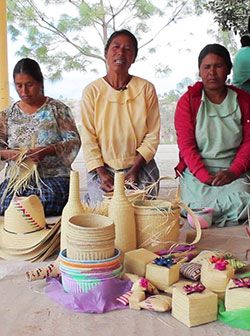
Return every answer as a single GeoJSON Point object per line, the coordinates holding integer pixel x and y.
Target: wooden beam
{"type": "Point", "coordinates": [4, 81]}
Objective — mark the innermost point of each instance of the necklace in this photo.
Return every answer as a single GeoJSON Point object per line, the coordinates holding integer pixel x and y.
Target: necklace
{"type": "Point", "coordinates": [123, 87]}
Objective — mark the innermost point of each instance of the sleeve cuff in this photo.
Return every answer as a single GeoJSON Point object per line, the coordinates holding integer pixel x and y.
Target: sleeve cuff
{"type": "Point", "coordinates": [145, 153]}
{"type": "Point", "coordinates": [202, 175]}
{"type": "Point", "coordinates": [93, 164]}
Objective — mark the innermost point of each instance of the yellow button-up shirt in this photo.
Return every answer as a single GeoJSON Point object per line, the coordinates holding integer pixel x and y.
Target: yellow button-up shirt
{"type": "Point", "coordinates": [118, 124]}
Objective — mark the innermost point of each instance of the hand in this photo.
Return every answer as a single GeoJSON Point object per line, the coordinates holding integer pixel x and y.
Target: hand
{"type": "Point", "coordinates": [9, 154]}
{"type": "Point", "coordinates": [210, 180]}
{"type": "Point", "coordinates": [107, 181]}
{"type": "Point", "coordinates": [223, 177]}
{"type": "Point", "coordinates": [131, 179]}
{"type": "Point", "coordinates": [36, 154]}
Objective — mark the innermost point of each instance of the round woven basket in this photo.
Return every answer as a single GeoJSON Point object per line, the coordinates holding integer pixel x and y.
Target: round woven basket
{"type": "Point", "coordinates": [82, 276]}
{"type": "Point", "coordinates": [216, 280]}
{"type": "Point", "coordinates": [157, 224]}
{"type": "Point", "coordinates": [90, 237]}
{"type": "Point", "coordinates": [78, 284]}
{"type": "Point", "coordinates": [90, 264]}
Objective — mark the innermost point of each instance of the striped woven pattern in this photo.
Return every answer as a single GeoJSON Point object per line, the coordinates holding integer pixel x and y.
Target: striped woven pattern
{"type": "Point", "coordinates": [25, 214]}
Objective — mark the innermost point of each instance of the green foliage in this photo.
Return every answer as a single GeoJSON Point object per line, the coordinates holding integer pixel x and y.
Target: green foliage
{"type": "Point", "coordinates": [145, 9]}
{"type": "Point", "coordinates": [162, 70]}
{"type": "Point", "coordinates": [231, 15]}
{"type": "Point", "coordinates": [88, 13]}
{"type": "Point", "coordinates": [74, 34]}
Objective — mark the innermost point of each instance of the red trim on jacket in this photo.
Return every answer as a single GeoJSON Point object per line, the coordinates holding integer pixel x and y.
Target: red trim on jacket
{"type": "Point", "coordinates": [185, 121]}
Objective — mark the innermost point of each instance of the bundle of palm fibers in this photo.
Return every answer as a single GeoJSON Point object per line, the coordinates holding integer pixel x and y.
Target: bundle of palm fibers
{"type": "Point", "coordinates": [22, 175]}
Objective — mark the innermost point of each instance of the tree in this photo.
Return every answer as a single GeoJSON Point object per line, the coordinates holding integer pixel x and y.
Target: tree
{"type": "Point", "coordinates": [69, 35]}
{"type": "Point", "coordinates": [231, 14]}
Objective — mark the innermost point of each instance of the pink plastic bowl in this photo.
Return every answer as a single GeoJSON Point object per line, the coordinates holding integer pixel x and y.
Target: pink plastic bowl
{"type": "Point", "coordinates": [204, 215]}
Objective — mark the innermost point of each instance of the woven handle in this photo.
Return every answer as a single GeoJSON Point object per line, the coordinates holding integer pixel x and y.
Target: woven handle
{"type": "Point", "coordinates": [154, 184]}
{"type": "Point", "coordinates": [196, 223]}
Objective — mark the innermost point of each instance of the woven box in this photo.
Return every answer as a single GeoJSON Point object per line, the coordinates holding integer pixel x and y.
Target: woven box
{"type": "Point", "coordinates": [162, 277]}
{"type": "Point", "coordinates": [236, 298]}
{"type": "Point", "coordinates": [194, 309]}
{"type": "Point", "coordinates": [135, 261]}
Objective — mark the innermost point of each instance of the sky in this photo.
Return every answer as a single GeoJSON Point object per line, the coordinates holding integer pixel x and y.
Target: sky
{"type": "Point", "coordinates": [179, 46]}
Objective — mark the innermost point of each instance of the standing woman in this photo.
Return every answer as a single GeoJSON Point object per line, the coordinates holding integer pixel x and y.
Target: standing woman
{"type": "Point", "coordinates": [40, 131]}
{"type": "Point", "coordinates": [241, 65]}
{"type": "Point", "coordinates": [212, 122]}
{"type": "Point", "coordinates": [120, 122]}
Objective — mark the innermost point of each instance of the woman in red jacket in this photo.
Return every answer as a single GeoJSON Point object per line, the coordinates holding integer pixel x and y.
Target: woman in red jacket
{"type": "Point", "coordinates": [212, 123]}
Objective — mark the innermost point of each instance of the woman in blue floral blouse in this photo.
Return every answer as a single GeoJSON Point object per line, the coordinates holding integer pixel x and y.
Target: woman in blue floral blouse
{"type": "Point", "coordinates": [43, 129]}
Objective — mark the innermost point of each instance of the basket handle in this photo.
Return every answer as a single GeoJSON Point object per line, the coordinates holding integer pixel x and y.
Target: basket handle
{"type": "Point", "coordinates": [154, 184]}
{"type": "Point", "coordinates": [196, 223]}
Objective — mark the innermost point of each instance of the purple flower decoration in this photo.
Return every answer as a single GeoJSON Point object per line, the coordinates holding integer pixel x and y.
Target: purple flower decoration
{"type": "Point", "coordinates": [195, 288]}
{"type": "Point", "coordinates": [244, 282]}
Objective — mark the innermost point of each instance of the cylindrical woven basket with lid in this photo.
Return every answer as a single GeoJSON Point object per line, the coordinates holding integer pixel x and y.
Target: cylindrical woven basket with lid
{"type": "Point", "coordinates": [90, 237]}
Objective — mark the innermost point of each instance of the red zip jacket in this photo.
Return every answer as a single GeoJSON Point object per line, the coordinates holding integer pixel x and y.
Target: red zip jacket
{"type": "Point", "coordinates": [185, 121]}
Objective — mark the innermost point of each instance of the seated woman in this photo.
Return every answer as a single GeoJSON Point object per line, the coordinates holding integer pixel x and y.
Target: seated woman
{"type": "Point", "coordinates": [212, 122]}
{"type": "Point", "coordinates": [120, 122]}
{"type": "Point", "coordinates": [37, 134]}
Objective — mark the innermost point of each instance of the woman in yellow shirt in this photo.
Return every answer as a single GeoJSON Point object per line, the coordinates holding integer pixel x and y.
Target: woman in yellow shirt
{"type": "Point", "coordinates": [120, 122]}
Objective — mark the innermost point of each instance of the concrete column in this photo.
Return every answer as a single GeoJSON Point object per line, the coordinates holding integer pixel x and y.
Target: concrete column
{"type": "Point", "coordinates": [4, 81]}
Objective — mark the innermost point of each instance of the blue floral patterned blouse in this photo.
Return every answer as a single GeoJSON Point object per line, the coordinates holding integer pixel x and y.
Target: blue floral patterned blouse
{"type": "Point", "coordinates": [52, 123]}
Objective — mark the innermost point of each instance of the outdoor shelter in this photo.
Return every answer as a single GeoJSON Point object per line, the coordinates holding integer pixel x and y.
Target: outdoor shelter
{"type": "Point", "coordinates": [4, 82]}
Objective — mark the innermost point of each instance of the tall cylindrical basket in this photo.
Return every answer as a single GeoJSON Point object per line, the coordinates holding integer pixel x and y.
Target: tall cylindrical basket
{"type": "Point", "coordinates": [72, 208]}
{"type": "Point", "coordinates": [122, 212]}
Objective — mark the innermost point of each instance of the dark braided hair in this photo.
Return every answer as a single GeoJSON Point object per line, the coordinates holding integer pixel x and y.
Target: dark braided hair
{"type": "Point", "coordinates": [29, 67]}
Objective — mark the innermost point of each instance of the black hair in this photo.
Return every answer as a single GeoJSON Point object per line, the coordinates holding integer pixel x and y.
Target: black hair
{"type": "Point", "coordinates": [216, 49]}
{"type": "Point", "coordinates": [122, 32]}
{"type": "Point", "coordinates": [29, 67]}
{"type": "Point", "coordinates": [245, 40]}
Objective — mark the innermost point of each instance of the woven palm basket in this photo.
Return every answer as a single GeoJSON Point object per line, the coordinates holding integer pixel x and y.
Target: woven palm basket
{"type": "Point", "coordinates": [214, 279]}
{"type": "Point", "coordinates": [132, 196]}
{"type": "Point", "coordinates": [90, 237]}
{"type": "Point", "coordinates": [158, 222]}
